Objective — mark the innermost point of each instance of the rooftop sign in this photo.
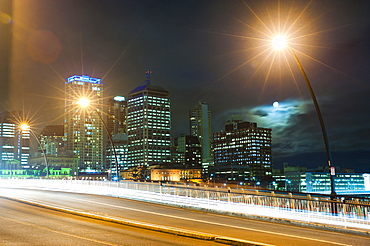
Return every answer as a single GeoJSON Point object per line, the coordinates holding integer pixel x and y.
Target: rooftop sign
{"type": "Point", "coordinates": [83, 78]}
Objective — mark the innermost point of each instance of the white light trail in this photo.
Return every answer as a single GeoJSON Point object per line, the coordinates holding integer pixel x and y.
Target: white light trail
{"type": "Point", "coordinates": [112, 189]}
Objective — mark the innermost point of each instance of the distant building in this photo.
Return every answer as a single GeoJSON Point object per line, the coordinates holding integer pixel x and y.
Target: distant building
{"type": "Point", "coordinates": [120, 143]}
{"type": "Point", "coordinates": [54, 172]}
{"type": "Point", "coordinates": [200, 126]}
{"type": "Point", "coordinates": [55, 162]}
{"type": "Point", "coordinates": [299, 179]}
{"type": "Point", "coordinates": [175, 175]}
{"type": "Point", "coordinates": [83, 127]}
{"type": "Point", "coordinates": [52, 140]}
{"type": "Point", "coordinates": [294, 178]}
{"type": "Point", "coordinates": [14, 142]}
{"type": "Point", "coordinates": [148, 125]}
{"type": "Point", "coordinates": [117, 128]}
{"type": "Point", "coordinates": [319, 182]}
{"type": "Point", "coordinates": [189, 151]}
{"type": "Point", "coordinates": [242, 153]}
{"type": "Point", "coordinates": [278, 178]}
{"type": "Point", "coordinates": [116, 118]}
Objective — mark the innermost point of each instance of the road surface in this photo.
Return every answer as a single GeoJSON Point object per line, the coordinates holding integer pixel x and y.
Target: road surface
{"type": "Point", "coordinates": [17, 215]}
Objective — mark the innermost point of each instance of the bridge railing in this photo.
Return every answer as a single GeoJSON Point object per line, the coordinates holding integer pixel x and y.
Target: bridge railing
{"type": "Point", "coordinates": [300, 203]}
{"type": "Point", "coordinates": [253, 202]}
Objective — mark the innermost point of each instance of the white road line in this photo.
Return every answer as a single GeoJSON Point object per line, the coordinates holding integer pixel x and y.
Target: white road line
{"type": "Point", "coordinates": [212, 223]}
{"type": "Point", "coordinates": [215, 223]}
{"type": "Point", "coordinates": [59, 232]}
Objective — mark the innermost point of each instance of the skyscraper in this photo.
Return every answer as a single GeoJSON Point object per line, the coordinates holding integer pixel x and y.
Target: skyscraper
{"type": "Point", "coordinates": [117, 128]}
{"type": "Point", "coordinates": [116, 119]}
{"type": "Point", "coordinates": [200, 126]}
{"type": "Point", "coordinates": [148, 124]}
{"type": "Point", "coordinates": [83, 127]}
{"type": "Point", "coordinates": [14, 141]}
{"type": "Point", "coordinates": [242, 153]}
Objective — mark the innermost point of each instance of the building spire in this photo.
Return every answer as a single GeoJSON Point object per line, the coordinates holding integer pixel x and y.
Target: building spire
{"type": "Point", "coordinates": [147, 74]}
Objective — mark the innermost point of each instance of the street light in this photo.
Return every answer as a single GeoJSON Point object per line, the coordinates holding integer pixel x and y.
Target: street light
{"type": "Point", "coordinates": [279, 42]}
{"type": "Point", "coordinates": [84, 103]}
{"type": "Point", "coordinates": [26, 127]}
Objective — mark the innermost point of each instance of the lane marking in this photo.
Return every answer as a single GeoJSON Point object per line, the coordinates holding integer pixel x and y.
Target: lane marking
{"type": "Point", "coordinates": [213, 223]}
{"type": "Point", "coordinates": [59, 232]}
{"type": "Point", "coordinates": [208, 222]}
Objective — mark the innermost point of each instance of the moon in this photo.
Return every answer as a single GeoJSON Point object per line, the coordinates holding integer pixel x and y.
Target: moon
{"type": "Point", "coordinates": [275, 104]}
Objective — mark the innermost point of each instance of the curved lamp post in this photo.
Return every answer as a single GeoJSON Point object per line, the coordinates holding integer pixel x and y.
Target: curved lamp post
{"type": "Point", "coordinates": [84, 102]}
{"type": "Point", "coordinates": [279, 42]}
{"type": "Point", "coordinates": [26, 127]}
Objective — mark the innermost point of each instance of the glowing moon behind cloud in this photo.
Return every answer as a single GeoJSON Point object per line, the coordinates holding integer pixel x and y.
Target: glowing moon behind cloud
{"type": "Point", "coordinates": [275, 104]}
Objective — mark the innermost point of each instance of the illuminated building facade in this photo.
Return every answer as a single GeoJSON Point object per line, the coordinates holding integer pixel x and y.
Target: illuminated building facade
{"type": "Point", "coordinates": [52, 139]}
{"type": "Point", "coordinates": [200, 126]}
{"type": "Point", "coordinates": [148, 125]}
{"type": "Point", "coordinates": [116, 119]}
{"type": "Point", "coordinates": [189, 151]}
{"type": "Point", "coordinates": [319, 182]}
{"type": "Point", "coordinates": [121, 149]}
{"type": "Point", "coordinates": [242, 153]}
{"type": "Point", "coordinates": [83, 128]}
{"type": "Point", "coordinates": [14, 142]}
{"type": "Point", "coordinates": [117, 128]}
{"type": "Point", "coordinates": [188, 174]}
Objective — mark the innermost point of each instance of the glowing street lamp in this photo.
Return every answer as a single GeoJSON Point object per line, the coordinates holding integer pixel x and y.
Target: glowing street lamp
{"type": "Point", "coordinates": [26, 128]}
{"type": "Point", "coordinates": [84, 103]}
{"type": "Point", "coordinates": [279, 42]}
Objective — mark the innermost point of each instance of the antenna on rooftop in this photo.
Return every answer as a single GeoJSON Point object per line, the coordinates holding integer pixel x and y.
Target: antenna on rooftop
{"type": "Point", "coordinates": [148, 73]}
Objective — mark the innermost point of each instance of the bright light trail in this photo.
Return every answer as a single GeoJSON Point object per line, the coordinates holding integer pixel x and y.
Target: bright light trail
{"type": "Point", "coordinates": [113, 189]}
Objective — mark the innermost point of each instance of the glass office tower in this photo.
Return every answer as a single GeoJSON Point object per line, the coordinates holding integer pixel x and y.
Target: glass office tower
{"type": "Point", "coordinates": [148, 125]}
{"type": "Point", "coordinates": [83, 127]}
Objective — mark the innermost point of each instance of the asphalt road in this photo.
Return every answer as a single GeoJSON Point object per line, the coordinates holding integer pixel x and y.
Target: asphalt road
{"type": "Point", "coordinates": [32, 223]}
{"type": "Point", "coordinates": [22, 224]}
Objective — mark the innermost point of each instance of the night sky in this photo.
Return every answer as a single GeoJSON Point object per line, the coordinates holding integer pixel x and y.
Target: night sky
{"type": "Point", "coordinates": [213, 51]}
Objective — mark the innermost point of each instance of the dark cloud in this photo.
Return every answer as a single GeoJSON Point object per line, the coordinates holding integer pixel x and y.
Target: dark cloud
{"type": "Point", "coordinates": [260, 113]}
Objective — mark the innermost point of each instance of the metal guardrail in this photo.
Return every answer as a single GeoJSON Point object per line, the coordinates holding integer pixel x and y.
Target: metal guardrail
{"type": "Point", "coordinates": [301, 203]}
{"type": "Point", "coordinates": [262, 203]}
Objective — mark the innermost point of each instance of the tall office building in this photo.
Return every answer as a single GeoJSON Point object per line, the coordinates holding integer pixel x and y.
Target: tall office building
{"type": "Point", "coordinates": [148, 125]}
{"type": "Point", "coordinates": [242, 153]}
{"type": "Point", "coordinates": [83, 126]}
{"type": "Point", "coordinates": [200, 126]}
{"type": "Point", "coordinates": [117, 127]}
{"type": "Point", "coordinates": [116, 118]}
{"type": "Point", "coordinates": [14, 141]}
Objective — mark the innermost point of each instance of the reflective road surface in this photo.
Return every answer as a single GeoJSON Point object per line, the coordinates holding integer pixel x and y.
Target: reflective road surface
{"type": "Point", "coordinates": [23, 224]}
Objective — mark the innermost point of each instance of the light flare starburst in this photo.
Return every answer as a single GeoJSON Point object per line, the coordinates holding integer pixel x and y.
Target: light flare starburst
{"type": "Point", "coordinates": [84, 102]}
{"type": "Point", "coordinates": [279, 42]}
{"type": "Point", "coordinates": [272, 32]}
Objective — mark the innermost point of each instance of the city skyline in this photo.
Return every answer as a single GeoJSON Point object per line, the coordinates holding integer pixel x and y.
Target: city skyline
{"type": "Point", "coordinates": [195, 53]}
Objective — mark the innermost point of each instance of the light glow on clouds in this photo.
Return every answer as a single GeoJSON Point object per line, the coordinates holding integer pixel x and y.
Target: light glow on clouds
{"type": "Point", "coordinates": [293, 128]}
{"type": "Point", "coordinates": [275, 117]}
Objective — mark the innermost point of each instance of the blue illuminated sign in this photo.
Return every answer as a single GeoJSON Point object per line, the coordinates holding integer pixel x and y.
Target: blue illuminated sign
{"type": "Point", "coordinates": [83, 78]}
